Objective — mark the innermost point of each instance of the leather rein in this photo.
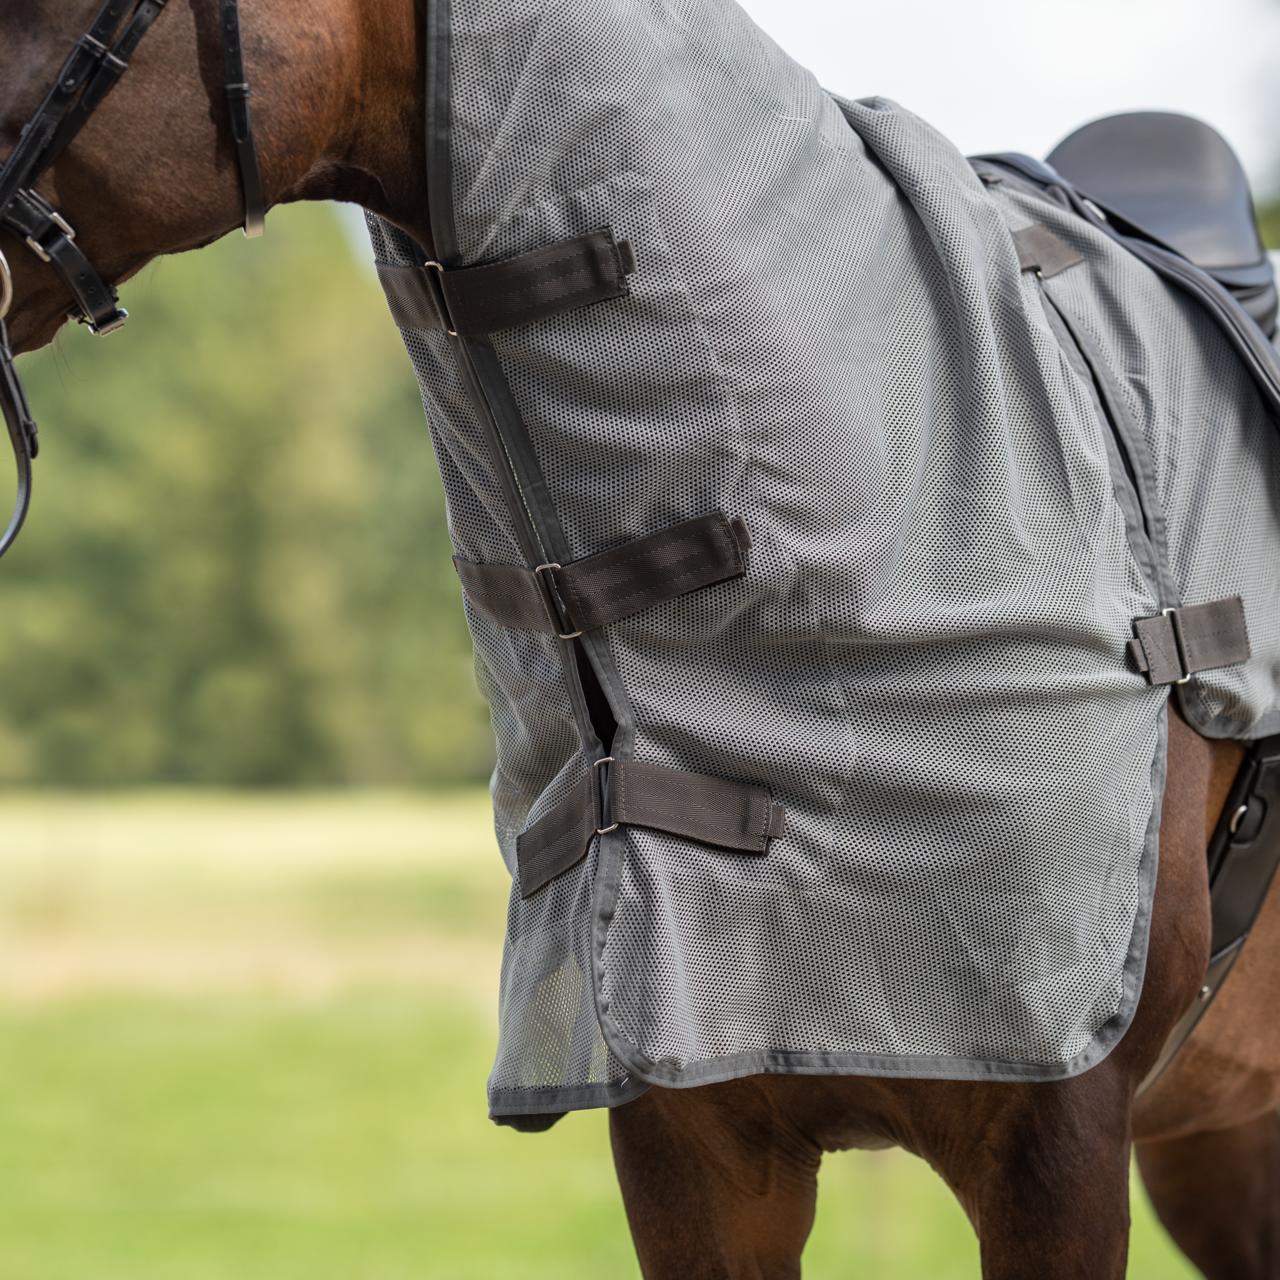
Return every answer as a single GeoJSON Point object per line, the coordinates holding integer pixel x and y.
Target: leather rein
{"type": "Point", "coordinates": [92, 69]}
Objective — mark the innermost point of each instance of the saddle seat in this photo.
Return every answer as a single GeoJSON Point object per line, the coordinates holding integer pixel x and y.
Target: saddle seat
{"type": "Point", "coordinates": [1177, 181]}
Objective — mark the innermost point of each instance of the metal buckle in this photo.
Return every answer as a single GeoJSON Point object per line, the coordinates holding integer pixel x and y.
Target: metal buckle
{"type": "Point", "coordinates": [1172, 614]}
{"type": "Point", "coordinates": [61, 224]}
{"type": "Point", "coordinates": [553, 603]}
{"type": "Point", "coordinates": [6, 287]}
{"type": "Point", "coordinates": [604, 809]}
{"type": "Point", "coordinates": [109, 326]}
{"type": "Point", "coordinates": [441, 301]}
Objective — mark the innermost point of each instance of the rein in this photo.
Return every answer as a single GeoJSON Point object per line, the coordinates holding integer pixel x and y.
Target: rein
{"type": "Point", "coordinates": [92, 69]}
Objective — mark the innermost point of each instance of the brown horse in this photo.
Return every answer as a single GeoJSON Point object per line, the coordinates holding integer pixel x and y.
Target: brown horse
{"type": "Point", "coordinates": [718, 1181]}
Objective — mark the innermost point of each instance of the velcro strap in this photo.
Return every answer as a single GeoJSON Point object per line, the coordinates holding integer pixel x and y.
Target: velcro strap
{"type": "Point", "coordinates": [1175, 645]}
{"type": "Point", "coordinates": [586, 594]}
{"type": "Point", "coordinates": [474, 301]}
{"type": "Point", "coordinates": [726, 815]}
{"type": "Point", "coordinates": [1039, 250]}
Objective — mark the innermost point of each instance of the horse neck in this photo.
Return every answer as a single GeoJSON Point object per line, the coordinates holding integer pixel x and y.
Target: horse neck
{"type": "Point", "coordinates": [371, 151]}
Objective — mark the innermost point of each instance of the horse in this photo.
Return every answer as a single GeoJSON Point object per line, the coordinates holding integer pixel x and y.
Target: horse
{"type": "Point", "coordinates": [718, 1180]}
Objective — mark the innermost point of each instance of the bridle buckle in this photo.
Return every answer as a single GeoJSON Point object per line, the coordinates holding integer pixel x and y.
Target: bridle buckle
{"type": "Point", "coordinates": [60, 224]}
{"type": "Point", "coordinates": [108, 326]}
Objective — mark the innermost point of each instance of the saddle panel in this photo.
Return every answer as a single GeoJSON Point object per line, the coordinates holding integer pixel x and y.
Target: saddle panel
{"type": "Point", "coordinates": [1177, 181]}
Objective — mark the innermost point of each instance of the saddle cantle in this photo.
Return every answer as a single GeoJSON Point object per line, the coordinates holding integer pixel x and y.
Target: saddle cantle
{"type": "Point", "coordinates": [1177, 181]}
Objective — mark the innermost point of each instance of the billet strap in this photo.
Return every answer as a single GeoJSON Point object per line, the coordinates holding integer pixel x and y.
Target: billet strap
{"type": "Point", "coordinates": [473, 301]}
{"type": "Point", "coordinates": [567, 600]}
{"type": "Point", "coordinates": [1039, 250]}
{"type": "Point", "coordinates": [1175, 645]}
{"type": "Point", "coordinates": [237, 94]}
{"type": "Point", "coordinates": [734, 816]}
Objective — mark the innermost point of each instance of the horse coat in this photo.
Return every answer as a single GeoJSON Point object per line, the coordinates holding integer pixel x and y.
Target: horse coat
{"type": "Point", "coordinates": [856, 514]}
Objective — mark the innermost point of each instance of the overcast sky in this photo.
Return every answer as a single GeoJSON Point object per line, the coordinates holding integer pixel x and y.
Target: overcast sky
{"type": "Point", "coordinates": [1017, 75]}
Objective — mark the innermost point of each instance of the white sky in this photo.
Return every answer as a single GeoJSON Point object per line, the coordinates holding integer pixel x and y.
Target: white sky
{"type": "Point", "coordinates": [1018, 75]}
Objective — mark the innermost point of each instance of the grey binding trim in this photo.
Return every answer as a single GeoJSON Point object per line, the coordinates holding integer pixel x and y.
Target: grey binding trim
{"type": "Point", "coordinates": [726, 815]}
{"type": "Point", "coordinates": [586, 594]}
{"type": "Point", "coordinates": [1176, 644]}
{"type": "Point", "coordinates": [479, 300]}
{"type": "Point", "coordinates": [1039, 250]}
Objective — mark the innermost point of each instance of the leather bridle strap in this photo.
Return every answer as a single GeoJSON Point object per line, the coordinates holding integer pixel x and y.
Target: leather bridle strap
{"type": "Point", "coordinates": [22, 435]}
{"type": "Point", "coordinates": [90, 72]}
{"type": "Point", "coordinates": [237, 93]}
{"type": "Point", "coordinates": [92, 69]}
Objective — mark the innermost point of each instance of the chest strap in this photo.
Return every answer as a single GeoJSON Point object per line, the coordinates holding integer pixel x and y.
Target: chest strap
{"type": "Point", "coordinates": [734, 816]}
{"type": "Point", "coordinates": [566, 600]}
{"type": "Point", "coordinates": [474, 301]}
{"type": "Point", "coordinates": [1174, 645]}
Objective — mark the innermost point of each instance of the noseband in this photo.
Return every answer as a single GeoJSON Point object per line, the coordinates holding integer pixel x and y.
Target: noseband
{"type": "Point", "coordinates": [94, 67]}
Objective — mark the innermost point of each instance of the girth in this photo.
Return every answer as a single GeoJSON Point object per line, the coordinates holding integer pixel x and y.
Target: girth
{"type": "Point", "coordinates": [93, 68]}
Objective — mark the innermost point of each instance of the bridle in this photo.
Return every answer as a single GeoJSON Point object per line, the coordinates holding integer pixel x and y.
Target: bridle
{"type": "Point", "coordinates": [92, 69]}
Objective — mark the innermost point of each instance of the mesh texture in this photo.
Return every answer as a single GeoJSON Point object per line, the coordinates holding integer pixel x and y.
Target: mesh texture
{"type": "Point", "coordinates": [828, 335]}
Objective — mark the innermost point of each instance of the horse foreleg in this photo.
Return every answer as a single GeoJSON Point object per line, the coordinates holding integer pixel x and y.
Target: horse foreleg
{"type": "Point", "coordinates": [1042, 1171]}
{"type": "Point", "coordinates": [716, 1183]}
{"type": "Point", "coordinates": [1218, 1195]}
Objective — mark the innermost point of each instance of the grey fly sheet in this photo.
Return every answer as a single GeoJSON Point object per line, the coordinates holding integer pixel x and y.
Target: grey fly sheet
{"type": "Point", "coordinates": [834, 517]}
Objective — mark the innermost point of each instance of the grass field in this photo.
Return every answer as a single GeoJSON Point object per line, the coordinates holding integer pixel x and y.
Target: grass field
{"type": "Point", "coordinates": [247, 1037]}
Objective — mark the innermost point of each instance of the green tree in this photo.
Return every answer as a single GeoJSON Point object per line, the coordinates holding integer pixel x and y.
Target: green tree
{"type": "Point", "coordinates": [238, 569]}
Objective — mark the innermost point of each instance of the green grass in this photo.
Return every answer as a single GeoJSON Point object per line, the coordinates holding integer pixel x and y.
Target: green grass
{"type": "Point", "coordinates": [248, 1038]}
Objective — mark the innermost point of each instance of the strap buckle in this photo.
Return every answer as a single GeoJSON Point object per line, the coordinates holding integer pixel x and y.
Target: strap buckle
{"type": "Point", "coordinates": [1172, 615]}
{"type": "Point", "coordinates": [600, 775]}
{"type": "Point", "coordinates": [440, 300]}
{"type": "Point", "coordinates": [552, 601]}
{"type": "Point", "coordinates": [58, 223]}
{"type": "Point", "coordinates": [101, 328]}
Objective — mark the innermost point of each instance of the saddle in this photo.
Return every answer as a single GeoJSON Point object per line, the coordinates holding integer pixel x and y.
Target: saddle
{"type": "Point", "coordinates": [1176, 181]}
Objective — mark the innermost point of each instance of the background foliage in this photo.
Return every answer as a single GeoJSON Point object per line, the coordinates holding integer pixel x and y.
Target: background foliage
{"type": "Point", "coordinates": [237, 568]}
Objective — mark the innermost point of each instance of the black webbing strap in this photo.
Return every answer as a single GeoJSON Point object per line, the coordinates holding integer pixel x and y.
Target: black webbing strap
{"type": "Point", "coordinates": [733, 816]}
{"type": "Point", "coordinates": [237, 93]}
{"type": "Point", "coordinates": [567, 600]}
{"type": "Point", "coordinates": [1039, 250]}
{"type": "Point", "coordinates": [473, 301]}
{"type": "Point", "coordinates": [1174, 645]}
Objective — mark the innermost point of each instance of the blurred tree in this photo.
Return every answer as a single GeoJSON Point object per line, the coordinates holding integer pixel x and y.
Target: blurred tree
{"type": "Point", "coordinates": [1271, 226]}
{"type": "Point", "coordinates": [238, 568]}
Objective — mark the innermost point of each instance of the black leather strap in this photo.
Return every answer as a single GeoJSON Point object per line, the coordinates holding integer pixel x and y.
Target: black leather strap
{"type": "Point", "coordinates": [237, 94]}
{"type": "Point", "coordinates": [1244, 856]}
{"type": "Point", "coordinates": [32, 156]}
{"type": "Point", "coordinates": [474, 301]}
{"type": "Point", "coordinates": [1173, 646]}
{"type": "Point", "coordinates": [23, 437]}
{"type": "Point", "coordinates": [567, 600]}
{"type": "Point", "coordinates": [50, 238]}
{"type": "Point", "coordinates": [734, 816]}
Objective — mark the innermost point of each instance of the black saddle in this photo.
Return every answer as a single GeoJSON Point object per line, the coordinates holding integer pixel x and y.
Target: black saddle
{"type": "Point", "coordinates": [1177, 181]}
